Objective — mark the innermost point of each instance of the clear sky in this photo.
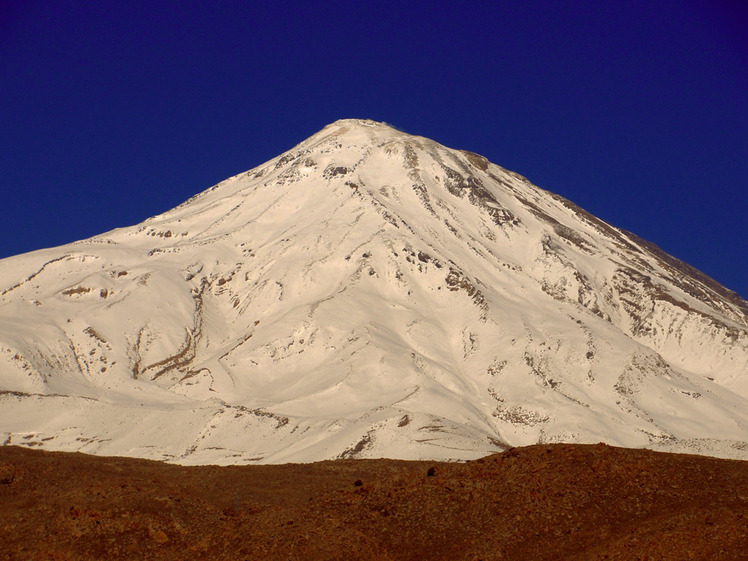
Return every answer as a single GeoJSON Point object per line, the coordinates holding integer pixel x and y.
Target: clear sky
{"type": "Point", "coordinates": [111, 112]}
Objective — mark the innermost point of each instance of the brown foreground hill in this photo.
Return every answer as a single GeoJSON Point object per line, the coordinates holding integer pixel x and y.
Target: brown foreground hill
{"type": "Point", "coordinates": [540, 502]}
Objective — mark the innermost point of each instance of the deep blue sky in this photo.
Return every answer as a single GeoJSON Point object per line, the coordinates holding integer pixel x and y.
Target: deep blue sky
{"type": "Point", "coordinates": [637, 111]}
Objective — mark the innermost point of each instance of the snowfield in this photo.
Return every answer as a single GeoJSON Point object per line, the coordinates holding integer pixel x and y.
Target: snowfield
{"type": "Point", "coordinates": [368, 294]}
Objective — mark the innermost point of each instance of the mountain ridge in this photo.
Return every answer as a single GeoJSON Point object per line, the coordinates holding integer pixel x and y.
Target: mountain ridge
{"type": "Point", "coordinates": [369, 293]}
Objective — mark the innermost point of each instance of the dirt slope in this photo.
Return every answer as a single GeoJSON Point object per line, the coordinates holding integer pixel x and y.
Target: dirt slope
{"type": "Point", "coordinates": [541, 502]}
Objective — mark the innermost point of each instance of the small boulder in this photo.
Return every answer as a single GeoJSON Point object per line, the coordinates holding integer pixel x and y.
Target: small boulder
{"type": "Point", "coordinates": [7, 473]}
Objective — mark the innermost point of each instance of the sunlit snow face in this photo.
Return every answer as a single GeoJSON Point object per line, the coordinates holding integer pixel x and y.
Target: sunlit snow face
{"type": "Point", "coordinates": [302, 310]}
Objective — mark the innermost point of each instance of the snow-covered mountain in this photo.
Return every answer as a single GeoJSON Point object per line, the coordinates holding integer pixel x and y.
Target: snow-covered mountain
{"type": "Point", "coordinates": [368, 293]}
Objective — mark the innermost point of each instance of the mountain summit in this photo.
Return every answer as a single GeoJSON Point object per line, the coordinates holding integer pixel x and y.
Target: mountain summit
{"type": "Point", "coordinates": [368, 294]}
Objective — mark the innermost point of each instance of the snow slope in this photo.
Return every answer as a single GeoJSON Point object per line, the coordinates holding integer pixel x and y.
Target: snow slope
{"type": "Point", "coordinates": [371, 294]}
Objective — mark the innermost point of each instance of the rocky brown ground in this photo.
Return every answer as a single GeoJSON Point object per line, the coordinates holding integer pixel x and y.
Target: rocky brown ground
{"type": "Point", "coordinates": [540, 502]}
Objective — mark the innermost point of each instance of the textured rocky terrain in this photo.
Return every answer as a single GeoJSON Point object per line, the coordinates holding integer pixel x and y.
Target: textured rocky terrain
{"type": "Point", "coordinates": [565, 502]}
{"type": "Point", "coordinates": [368, 294]}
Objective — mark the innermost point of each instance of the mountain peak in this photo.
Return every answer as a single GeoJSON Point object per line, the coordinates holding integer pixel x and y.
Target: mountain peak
{"type": "Point", "coordinates": [363, 124]}
{"type": "Point", "coordinates": [368, 293]}
{"type": "Point", "coordinates": [368, 123]}
{"type": "Point", "coordinates": [356, 132]}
